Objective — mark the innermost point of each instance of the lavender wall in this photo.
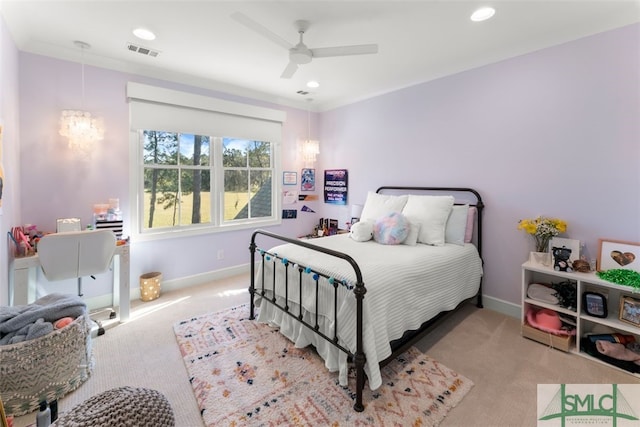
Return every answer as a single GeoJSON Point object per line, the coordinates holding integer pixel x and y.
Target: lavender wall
{"type": "Point", "coordinates": [57, 185]}
{"type": "Point", "coordinates": [555, 132]}
{"type": "Point", "coordinates": [9, 150]}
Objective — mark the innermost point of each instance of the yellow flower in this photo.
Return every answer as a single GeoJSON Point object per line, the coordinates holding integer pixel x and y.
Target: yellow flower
{"type": "Point", "coordinates": [543, 229]}
{"type": "Point", "coordinates": [528, 226]}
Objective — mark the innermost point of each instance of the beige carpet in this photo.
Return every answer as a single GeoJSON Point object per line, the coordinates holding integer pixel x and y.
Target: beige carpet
{"type": "Point", "coordinates": [246, 373]}
{"type": "Point", "coordinates": [484, 345]}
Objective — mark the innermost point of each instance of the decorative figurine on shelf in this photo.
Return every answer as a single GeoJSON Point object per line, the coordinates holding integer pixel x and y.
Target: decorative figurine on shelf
{"type": "Point", "coordinates": [561, 259]}
{"type": "Point", "coordinates": [581, 266]}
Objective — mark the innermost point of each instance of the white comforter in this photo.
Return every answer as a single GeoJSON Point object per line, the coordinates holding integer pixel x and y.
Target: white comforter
{"type": "Point", "coordinates": [406, 286]}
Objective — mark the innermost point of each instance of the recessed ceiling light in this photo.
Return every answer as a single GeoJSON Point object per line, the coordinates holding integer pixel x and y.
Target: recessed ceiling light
{"type": "Point", "coordinates": [483, 14]}
{"type": "Point", "coordinates": [313, 84]}
{"type": "Point", "coordinates": [144, 34]}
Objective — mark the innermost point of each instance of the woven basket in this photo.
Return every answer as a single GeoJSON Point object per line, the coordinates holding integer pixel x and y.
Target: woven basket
{"type": "Point", "coordinates": [45, 368]}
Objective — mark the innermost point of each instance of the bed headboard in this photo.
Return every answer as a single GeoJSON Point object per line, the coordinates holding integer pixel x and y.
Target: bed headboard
{"type": "Point", "coordinates": [461, 196]}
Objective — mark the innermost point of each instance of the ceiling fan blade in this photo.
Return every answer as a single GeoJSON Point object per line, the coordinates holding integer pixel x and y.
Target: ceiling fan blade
{"type": "Point", "coordinates": [362, 49]}
{"type": "Point", "coordinates": [260, 29]}
{"type": "Point", "coordinates": [289, 71]}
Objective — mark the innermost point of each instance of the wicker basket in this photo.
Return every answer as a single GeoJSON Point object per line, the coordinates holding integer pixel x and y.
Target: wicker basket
{"type": "Point", "coordinates": [45, 368]}
{"type": "Point", "coordinates": [150, 286]}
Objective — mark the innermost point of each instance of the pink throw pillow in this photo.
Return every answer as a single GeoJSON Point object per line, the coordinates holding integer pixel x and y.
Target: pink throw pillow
{"type": "Point", "coordinates": [471, 218]}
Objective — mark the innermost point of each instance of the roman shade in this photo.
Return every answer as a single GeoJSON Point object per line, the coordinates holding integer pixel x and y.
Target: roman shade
{"type": "Point", "coordinates": [154, 108]}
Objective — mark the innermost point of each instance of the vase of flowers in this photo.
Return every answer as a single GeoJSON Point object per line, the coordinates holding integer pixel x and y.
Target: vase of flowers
{"type": "Point", "coordinates": [542, 229]}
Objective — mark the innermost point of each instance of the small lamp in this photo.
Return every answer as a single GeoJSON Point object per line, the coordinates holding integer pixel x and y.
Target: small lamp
{"type": "Point", "coordinates": [356, 212]}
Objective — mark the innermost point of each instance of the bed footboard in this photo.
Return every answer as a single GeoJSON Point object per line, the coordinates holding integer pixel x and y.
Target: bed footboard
{"type": "Point", "coordinates": [358, 289]}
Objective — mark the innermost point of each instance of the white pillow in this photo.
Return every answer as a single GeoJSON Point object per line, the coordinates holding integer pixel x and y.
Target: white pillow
{"type": "Point", "coordinates": [412, 237]}
{"type": "Point", "coordinates": [379, 205]}
{"type": "Point", "coordinates": [362, 231]}
{"type": "Point", "coordinates": [457, 225]}
{"type": "Point", "coordinates": [431, 212]}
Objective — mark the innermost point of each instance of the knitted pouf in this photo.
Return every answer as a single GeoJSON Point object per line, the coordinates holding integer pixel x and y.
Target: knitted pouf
{"type": "Point", "coordinates": [123, 406]}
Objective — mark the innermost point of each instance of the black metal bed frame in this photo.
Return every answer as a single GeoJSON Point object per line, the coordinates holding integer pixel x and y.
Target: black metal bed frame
{"type": "Point", "coordinates": [359, 289]}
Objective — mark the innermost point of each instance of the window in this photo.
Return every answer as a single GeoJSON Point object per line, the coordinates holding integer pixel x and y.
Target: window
{"type": "Point", "coordinates": [177, 171]}
{"type": "Point", "coordinates": [191, 176]}
{"type": "Point", "coordinates": [177, 179]}
{"type": "Point", "coordinates": [248, 179]}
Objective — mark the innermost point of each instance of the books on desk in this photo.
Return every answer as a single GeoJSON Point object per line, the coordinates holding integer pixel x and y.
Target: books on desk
{"type": "Point", "coordinates": [115, 226]}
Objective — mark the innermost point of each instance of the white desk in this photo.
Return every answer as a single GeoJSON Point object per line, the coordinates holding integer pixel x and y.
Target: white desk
{"type": "Point", "coordinates": [22, 281]}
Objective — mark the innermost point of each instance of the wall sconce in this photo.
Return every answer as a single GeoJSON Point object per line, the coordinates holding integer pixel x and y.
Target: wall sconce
{"type": "Point", "coordinates": [310, 148]}
{"type": "Point", "coordinates": [81, 129]}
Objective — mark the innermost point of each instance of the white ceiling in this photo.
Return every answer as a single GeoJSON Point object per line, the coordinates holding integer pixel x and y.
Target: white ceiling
{"type": "Point", "coordinates": [200, 44]}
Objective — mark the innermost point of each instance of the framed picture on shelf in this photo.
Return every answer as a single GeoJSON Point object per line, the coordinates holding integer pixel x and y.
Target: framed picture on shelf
{"type": "Point", "coordinates": [630, 310]}
{"type": "Point", "coordinates": [572, 244]}
{"type": "Point", "coordinates": [615, 254]}
{"type": "Point", "coordinates": [594, 304]}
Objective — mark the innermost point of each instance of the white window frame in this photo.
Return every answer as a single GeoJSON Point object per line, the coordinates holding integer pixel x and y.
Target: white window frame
{"type": "Point", "coordinates": [137, 92]}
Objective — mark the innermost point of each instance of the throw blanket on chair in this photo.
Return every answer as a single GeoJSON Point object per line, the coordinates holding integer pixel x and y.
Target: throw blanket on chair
{"type": "Point", "coordinates": [25, 322]}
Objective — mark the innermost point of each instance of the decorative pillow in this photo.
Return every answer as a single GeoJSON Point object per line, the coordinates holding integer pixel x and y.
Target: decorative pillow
{"type": "Point", "coordinates": [471, 221]}
{"type": "Point", "coordinates": [379, 205]}
{"type": "Point", "coordinates": [431, 212]}
{"type": "Point", "coordinates": [362, 231]}
{"type": "Point", "coordinates": [412, 237]}
{"type": "Point", "coordinates": [391, 229]}
{"type": "Point", "coordinates": [457, 225]}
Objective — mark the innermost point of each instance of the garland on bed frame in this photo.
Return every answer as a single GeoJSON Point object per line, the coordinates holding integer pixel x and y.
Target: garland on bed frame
{"type": "Point", "coordinates": [359, 290]}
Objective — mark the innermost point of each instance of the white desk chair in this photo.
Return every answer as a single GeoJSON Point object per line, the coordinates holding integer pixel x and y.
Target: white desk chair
{"type": "Point", "coordinates": [75, 255]}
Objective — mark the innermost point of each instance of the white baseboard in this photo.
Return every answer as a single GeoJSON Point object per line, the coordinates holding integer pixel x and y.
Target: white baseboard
{"type": "Point", "coordinates": [199, 279]}
{"type": "Point", "coordinates": [101, 301]}
{"type": "Point", "coordinates": [491, 303]}
{"type": "Point", "coordinates": [501, 306]}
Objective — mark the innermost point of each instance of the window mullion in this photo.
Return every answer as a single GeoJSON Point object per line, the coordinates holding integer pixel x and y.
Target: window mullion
{"type": "Point", "coordinates": [217, 185]}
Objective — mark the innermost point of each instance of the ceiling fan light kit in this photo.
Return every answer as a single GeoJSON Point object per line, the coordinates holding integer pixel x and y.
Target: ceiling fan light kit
{"type": "Point", "coordinates": [300, 54]}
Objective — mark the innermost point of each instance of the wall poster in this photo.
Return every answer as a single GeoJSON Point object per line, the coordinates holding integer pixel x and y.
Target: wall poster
{"type": "Point", "coordinates": [335, 186]}
{"type": "Point", "coordinates": [308, 180]}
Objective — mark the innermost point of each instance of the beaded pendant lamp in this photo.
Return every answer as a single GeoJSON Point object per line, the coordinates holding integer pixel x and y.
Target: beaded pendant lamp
{"type": "Point", "coordinates": [79, 126]}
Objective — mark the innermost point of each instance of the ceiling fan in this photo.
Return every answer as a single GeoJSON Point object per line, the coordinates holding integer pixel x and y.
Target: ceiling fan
{"type": "Point", "coordinates": [300, 54]}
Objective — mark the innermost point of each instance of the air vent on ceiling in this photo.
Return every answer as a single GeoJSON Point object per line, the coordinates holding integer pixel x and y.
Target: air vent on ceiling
{"type": "Point", "coordinates": [302, 92]}
{"type": "Point", "coordinates": [142, 50]}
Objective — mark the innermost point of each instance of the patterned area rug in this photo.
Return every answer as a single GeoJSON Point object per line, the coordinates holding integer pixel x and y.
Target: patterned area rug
{"type": "Point", "coordinates": [247, 373]}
